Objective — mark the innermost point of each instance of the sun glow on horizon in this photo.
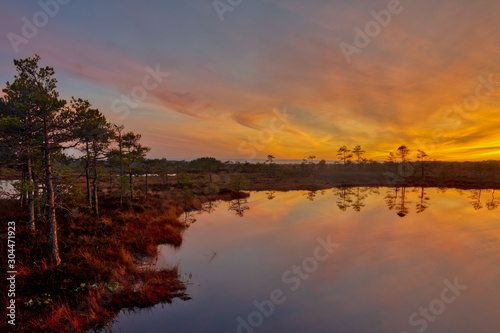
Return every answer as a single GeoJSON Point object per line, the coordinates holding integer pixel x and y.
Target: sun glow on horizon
{"type": "Point", "coordinates": [432, 86]}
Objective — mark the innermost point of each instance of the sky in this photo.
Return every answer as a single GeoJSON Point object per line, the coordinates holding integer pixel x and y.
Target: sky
{"type": "Point", "coordinates": [241, 79]}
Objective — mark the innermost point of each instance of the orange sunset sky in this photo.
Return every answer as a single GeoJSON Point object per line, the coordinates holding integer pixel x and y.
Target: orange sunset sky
{"type": "Point", "coordinates": [427, 77]}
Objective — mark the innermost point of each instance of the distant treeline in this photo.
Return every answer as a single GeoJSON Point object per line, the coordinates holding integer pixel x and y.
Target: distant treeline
{"type": "Point", "coordinates": [390, 173]}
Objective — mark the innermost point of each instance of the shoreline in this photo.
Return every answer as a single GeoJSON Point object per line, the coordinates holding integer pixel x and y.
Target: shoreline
{"type": "Point", "coordinates": [102, 255]}
{"type": "Point", "coordinates": [101, 272]}
{"type": "Point", "coordinates": [326, 186]}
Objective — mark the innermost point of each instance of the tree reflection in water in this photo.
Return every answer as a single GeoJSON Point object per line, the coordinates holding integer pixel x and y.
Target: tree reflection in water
{"type": "Point", "coordinates": [396, 198]}
{"type": "Point", "coordinates": [343, 195]}
{"type": "Point", "coordinates": [189, 218]}
{"type": "Point", "coordinates": [360, 196]}
{"type": "Point", "coordinates": [209, 207]}
{"type": "Point", "coordinates": [475, 197]}
{"type": "Point", "coordinates": [270, 195]}
{"type": "Point", "coordinates": [424, 197]}
{"type": "Point", "coordinates": [391, 197]}
{"type": "Point", "coordinates": [239, 206]}
{"type": "Point", "coordinates": [401, 207]}
{"type": "Point", "coordinates": [493, 203]}
{"type": "Point", "coordinates": [310, 195]}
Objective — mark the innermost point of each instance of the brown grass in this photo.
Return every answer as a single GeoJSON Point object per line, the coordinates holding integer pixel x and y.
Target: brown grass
{"type": "Point", "coordinates": [100, 259]}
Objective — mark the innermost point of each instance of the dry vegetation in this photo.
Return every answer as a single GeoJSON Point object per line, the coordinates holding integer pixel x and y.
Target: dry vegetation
{"type": "Point", "coordinates": [100, 272]}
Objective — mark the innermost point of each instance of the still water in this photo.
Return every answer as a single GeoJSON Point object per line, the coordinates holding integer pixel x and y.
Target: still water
{"type": "Point", "coordinates": [346, 260]}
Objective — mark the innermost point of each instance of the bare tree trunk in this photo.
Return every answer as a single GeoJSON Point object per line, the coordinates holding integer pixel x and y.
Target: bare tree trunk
{"type": "Point", "coordinates": [110, 181]}
{"type": "Point", "coordinates": [51, 209]}
{"type": "Point", "coordinates": [37, 199]}
{"type": "Point", "coordinates": [120, 146]}
{"type": "Point", "coordinates": [22, 195]}
{"type": "Point", "coordinates": [95, 184]}
{"type": "Point", "coordinates": [87, 175]}
{"type": "Point", "coordinates": [121, 156]}
{"type": "Point", "coordinates": [131, 185]}
{"type": "Point", "coordinates": [146, 183]}
{"type": "Point", "coordinates": [31, 202]}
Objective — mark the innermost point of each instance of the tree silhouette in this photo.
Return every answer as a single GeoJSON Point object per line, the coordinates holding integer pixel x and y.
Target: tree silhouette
{"type": "Point", "coordinates": [344, 154]}
{"type": "Point", "coordinates": [403, 152]}
{"type": "Point", "coordinates": [84, 132]}
{"type": "Point", "coordinates": [18, 130]}
{"type": "Point", "coordinates": [422, 156]}
{"type": "Point", "coordinates": [272, 167]}
{"type": "Point", "coordinates": [95, 135]}
{"type": "Point", "coordinates": [391, 158]}
{"type": "Point", "coordinates": [117, 155]}
{"type": "Point", "coordinates": [54, 122]}
{"type": "Point", "coordinates": [135, 152]}
{"type": "Point", "coordinates": [358, 152]}
{"type": "Point", "coordinates": [209, 164]}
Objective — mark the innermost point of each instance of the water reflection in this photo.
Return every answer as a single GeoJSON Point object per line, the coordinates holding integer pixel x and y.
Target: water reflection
{"type": "Point", "coordinates": [383, 271]}
{"type": "Point", "coordinates": [475, 197]}
{"type": "Point", "coordinates": [310, 195]}
{"type": "Point", "coordinates": [397, 199]}
{"type": "Point", "coordinates": [7, 190]}
{"type": "Point", "coordinates": [188, 217]}
{"type": "Point", "coordinates": [210, 207]}
{"type": "Point", "coordinates": [271, 195]}
{"type": "Point", "coordinates": [492, 204]}
{"type": "Point", "coordinates": [359, 198]}
{"type": "Point", "coordinates": [343, 195]}
{"type": "Point", "coordinates": [478, 200]}
{"type": "Point", "coordinates": [239, 206]}
{"type": "Point", "coordinates": [423, 202]}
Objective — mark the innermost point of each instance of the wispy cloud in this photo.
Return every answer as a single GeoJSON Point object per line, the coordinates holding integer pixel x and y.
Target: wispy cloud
{"type": "Point", "coordinates": [227, 78]}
